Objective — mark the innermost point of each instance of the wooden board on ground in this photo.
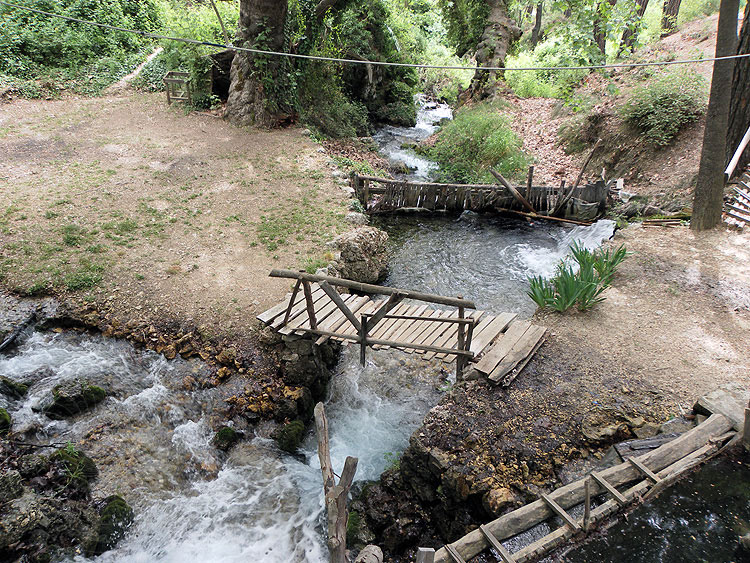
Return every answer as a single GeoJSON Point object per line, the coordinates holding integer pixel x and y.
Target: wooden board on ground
{"type": "Point", "coordinates": [519, 352]}
{"type": "Point", "coordinates": [500, 349]}
{"type": "Point", "coordinates": [485, 335]}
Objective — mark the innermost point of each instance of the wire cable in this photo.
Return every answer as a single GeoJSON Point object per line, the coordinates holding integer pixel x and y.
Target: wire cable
{"type": "Point", "coordinates": [366, 62]}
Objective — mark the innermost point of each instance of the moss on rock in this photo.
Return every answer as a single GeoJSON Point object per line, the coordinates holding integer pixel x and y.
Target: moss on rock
{"type": "Point", "coordinates": [289, 436]}
{"type": "Point", "coordinates": [226, 437]}
{"type": "Point", "coordinates": [116, 516]}
{"type": "Point", "coordinates": [5, 421]}
{"type": "Point", "coordinates": [77, 468]}
{"type": "Point", "coordinates": [73, 397]}
{"type": "Point", "coordinates": [12, 389]}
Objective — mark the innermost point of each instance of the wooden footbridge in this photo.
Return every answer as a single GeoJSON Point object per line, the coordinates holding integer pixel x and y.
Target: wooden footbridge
{"type": "Point", "coordinates": [497, 345]}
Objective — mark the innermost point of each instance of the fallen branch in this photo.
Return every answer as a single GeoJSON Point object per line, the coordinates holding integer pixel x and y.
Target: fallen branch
{"type": "Point", "coordinates": [13, 336]}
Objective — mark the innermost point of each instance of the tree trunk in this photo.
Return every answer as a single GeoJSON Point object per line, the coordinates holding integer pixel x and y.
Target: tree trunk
{"type": "Point", "coordinates": [499, 34]}
{"type": "Point", "coordinates": [630, 35]}
{"type": "Point", "coordinates": [669, 13]}
{"type": "Point", "coordinates": [256, 94]}
{"type": "Point", "coordinates": [739, 107]}
{"type": "Point", "coordinates": [709, 189]}
{"type": "Point", "coordinates": [537, 25]}
{"type": "Point", "coordinates": [600, 25]}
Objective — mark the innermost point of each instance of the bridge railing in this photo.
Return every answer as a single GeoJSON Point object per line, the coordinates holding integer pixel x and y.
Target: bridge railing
{"type": "Point", "coordinates": [366, 324]}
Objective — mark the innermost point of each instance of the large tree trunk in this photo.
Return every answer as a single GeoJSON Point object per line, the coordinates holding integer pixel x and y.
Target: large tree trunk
{"type": "Point", "coordinates": [709, 189]}
{"type": "Point", "coordinates": [256, 95]}
{"type": "Point", "coordinates": [630, 35]}
{"type": "Point", "coordinates": [600, 25]}
{"type": "Point", "coordinates": [669, 13]}
{"type": "Point", "coordinates": [739, 107]}
{"type": "Point", "coordinates": [499, 34]}
{"type": "Point", "coordinates": [537, 25]}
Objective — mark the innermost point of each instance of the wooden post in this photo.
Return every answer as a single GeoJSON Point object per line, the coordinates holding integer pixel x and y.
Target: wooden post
{"type": "Point", "coordinates": [425, 555]}
{"type": "Point", "coordinates": [310, 304]}
{"type": "Point", "coordinates": [528, 182]}
{"type": "Point", "coordinates": [746, 428]}
{"type": "Point", "coordinates": [362, 339]}
{"type": "Point", "coordinates": [461, 340]}
{"type": "Point", "coordinates": [291, 302]}
{"type": "Point", "coordinates": [365, 192]}
{"type": "Point", "coordinates": [335, 494]}
{"type": "Point", "coordinates": [587, 507]}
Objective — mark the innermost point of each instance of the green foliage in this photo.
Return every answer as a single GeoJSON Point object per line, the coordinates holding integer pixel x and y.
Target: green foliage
{"type": "Point", "coordinates": [554, 52]}
{"type": "Point", "coordinates": [5, 421]}
{"type": "Point", "coordinates": [225, 438]}
{"type": "Point", "coordinates": [115, 518]}
{"type": "Point", "coordinates": [583, 286]}
{"type": "Point", "coordinates": [478, 138]}
{"type": "Point", "coordinates": [31, 40]}
{"type": "Point", "coordinates": [290, 436]}
{"type": "Point", "coordinates": [464, 21]}
{"type": "Point", "coordinates": [662, 107]}
{"type": "Point", "coordinates": [77, 467]}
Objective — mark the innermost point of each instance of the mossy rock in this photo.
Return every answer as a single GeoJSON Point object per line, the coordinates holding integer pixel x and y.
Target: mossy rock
{"type": "Point", "coordinates": [78, 468]}
{"type": "Point", "coordinates": [33, 465]}
{"type": "Point", "coordinates": [5, 421]}
{"type": "Point", "coordinates": [226, 437]}
{"type": "Point", "coordinates": [116, 516]}
{"type": "Point", "coordinates": [73, 397]}
{"type": "Point", "coordinates": [12, 389]}
{"type": "Point", "coordinates": [290, 436]}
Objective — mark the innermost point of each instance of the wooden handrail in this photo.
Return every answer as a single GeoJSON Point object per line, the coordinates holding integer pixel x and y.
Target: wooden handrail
{"type": "Point", "coordinates": [737, 154]}
{"type": "Point", "coordinates": [373, 289]}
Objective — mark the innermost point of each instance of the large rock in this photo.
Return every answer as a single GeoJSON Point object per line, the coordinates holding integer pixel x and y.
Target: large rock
{"type": "Point", "coordinates": [73, 397]}
{"type": "Point", "coordinates": [363, 255]}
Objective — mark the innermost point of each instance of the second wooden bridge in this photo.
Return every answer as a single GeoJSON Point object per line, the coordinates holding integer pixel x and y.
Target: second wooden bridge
{"type": "Point", "coordinates": [497, 345]}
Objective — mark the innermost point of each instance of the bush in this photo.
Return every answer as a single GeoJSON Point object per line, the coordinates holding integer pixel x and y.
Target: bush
{"type": "Point", "coordinates": [31, 42]}
{"type": "Point", "coordinates": [583, 287]}
{"type": "Point", "coordinates": [477, 139]}
{"type": "Point", "coordinates": [547, 83]}
{"type": "Point", "coordinates": [661, 108]}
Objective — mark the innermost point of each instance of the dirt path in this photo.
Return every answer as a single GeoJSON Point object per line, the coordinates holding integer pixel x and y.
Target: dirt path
{"type": "Point", "coordinates": [149, 212]}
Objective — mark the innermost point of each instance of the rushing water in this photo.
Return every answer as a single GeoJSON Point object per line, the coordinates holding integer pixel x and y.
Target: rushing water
{"type": "Point", "coordinates": [481, 257]}
{"type": "Point", "coordinates": [396, 142]}
{"type": "Point", "coordinates": [152, 441]}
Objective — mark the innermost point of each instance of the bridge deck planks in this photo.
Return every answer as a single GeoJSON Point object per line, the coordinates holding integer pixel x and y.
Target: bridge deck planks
{"type": "Point", "coordinates": [500, 342]}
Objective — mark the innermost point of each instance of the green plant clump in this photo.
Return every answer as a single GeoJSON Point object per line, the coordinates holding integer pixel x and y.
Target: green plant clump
{"type": "Point", "coordinates": [477, 139]}
{"type": "Point", "coordinates": [115, 519]}
{"type": "Point", "coordinates": [661, 108]}
{"type": "Point", "coordinates": [583, 287]}
{"type": "Point", "coordinates": [5, 421]}
{"type": "Point", "coordinates": [289, 437]}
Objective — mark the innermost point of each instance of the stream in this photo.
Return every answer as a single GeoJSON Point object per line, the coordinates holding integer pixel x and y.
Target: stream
{"type": "Point", "coordinates": [151, 437]}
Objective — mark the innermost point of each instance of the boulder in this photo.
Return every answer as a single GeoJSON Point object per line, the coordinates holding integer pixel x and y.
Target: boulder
{"type": "Point", "coordinates": [603, 425]}
{"type": "Point", "coordinates": [290, 436]}
{"type": "Point", "coordinates": [115, 517]}
{"type": "Point", "coordinates": [10, 486]}
{"type": "Point", "coordinates": [496, 500]}
{"type": "Point", "coordinates": [225, 438]}
{"type": "Point", "coordinates": [73, 397]}
{"type": "Point", "coordinates": [356, 218]}
{"type": "Point", "coordinates": [5, 421]}
{"type": "Point", "coordinates": [363, 254]}
{"type": "Point", "coordinates": [12, 389]}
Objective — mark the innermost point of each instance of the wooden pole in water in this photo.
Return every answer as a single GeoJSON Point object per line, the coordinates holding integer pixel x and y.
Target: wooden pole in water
{"type": "Point", "coordinates": [587, 508]}
{"type": "Point", "coordinates": [335, 494]}
{"type": "Point", "coordinates": [746, 429]}
{"type": "Point", "coordinates": [460, 359]}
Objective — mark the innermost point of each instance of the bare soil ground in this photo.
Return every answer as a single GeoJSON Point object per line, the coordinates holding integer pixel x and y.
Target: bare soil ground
{"type": "Point", "coordinates": [146, 211]}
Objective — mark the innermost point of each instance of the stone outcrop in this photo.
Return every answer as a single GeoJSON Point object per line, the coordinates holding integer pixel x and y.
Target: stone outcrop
{"type": "Point", "coordinates": [362, 255]}
{"type": "Point", "coordinates": [73, 397]}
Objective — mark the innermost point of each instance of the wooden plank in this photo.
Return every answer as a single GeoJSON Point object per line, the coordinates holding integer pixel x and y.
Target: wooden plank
{"type": "Point", "coordinates": [298, 309]}
{"type": "Point", "coordinates": [520, 351]}
{"type": "Point", "coordinates": [501, 348]}
{"type": "Point", "coordinates": [610, 489]}
{"type": "Point", "coordinates": [349, 328]}
{"type": "Point", "coordinates": [388, 321]}
{"type": "Point", "coordinates": [336, 298]}
{"type": "Point", "coordinates": [268, 315]}
{"type": "Point", "coordinates": [643, 469]}
{"type": "Point", "coordinates": [405, 325]}
{"type": "Point", "coordinates": [393, 300]}
{"type": "Point", "coordinates": [425, 555]}
{"type": "Point", "coordinates": [508, 379]}
{"type": "Point", "coordinates": [336, 321]}
{"type": "Point", "coordinates": [295, 291]}
{"type": "Point", "coordinates": [738, 217]}
{"type": "Point", "coordinates": [440, 330]}
{"type": "Point", "coordinates": [376, 289]}
{"type": "Point", "coordinates": [560, 511]}
{"type": "Point", "coordinates": [452, 335]}
{"type": "Point", "coordinates": [431, 330]}
{"type": "Point", "coordinates": [417, 328]}
{"type": "Point", "coordinates": [485, 335]}
{"type": "Point", "coordinates": [505, 555]}
{"type": "Point", "coordinates": [324, 309]}
{"type": "Point", "coordinates": [454, 555]}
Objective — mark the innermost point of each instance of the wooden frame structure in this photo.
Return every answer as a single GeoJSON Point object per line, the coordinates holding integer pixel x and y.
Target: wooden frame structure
{"type": "Point", "coordinates": [365, 326]}
{"type": "Point", "coordinates": [177, 86]}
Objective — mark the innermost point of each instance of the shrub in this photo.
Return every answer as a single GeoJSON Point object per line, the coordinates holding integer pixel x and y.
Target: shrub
{"type": "Point", "coordinates": [547, 83]}
{"type": "Point", "coordinates": [477, 139]}
{"type": "Point", "coordinates": [582, 287]}
{"type": "Point", "coordinates": [661, 108]}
